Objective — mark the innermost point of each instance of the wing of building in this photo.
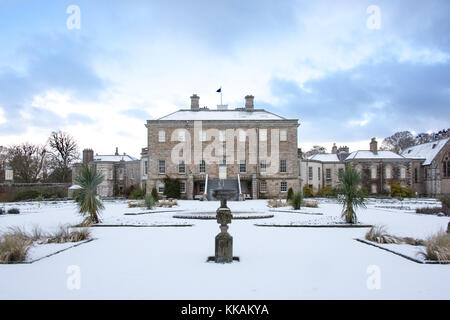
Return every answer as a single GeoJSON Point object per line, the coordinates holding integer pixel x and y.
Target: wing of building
{"type": "Point", "coordinates": [431, 166]}
{"type": "Point", "coordinates": [120, 172]}
{"type": "Point", "coordinates": [425, 168]}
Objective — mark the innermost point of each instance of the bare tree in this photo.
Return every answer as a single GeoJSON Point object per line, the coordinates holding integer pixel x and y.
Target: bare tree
{"type": "Point", "coordinates": [27, 160]}
{"type": "Point", "coordinates": [63, 152]}
{"type": "Point", "coordinates": [398, 142]}
{"type": "Point", "coordinates": [428, 137]}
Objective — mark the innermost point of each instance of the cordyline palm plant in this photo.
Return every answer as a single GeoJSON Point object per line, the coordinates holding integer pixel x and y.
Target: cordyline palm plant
{"type": "Point", "coordinates": [350, 195]}
{"type": "Point", "coordinates": [88, 203]}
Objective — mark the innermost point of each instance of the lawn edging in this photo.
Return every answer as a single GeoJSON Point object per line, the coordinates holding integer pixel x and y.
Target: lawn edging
{"type": "Point", "coordinates": [370, 243]}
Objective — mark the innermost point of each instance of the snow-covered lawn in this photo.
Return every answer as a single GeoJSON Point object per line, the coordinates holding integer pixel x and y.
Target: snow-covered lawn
{"type": "Point", "coordinates": [275, 263]}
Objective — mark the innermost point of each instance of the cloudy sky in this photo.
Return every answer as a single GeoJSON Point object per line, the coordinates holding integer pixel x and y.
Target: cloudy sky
{"type": "Point", "coordinates": [322, 62]}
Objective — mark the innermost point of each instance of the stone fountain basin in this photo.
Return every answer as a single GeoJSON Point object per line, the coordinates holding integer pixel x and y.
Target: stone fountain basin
{"type": "Point", "coordinates": [224, 194]}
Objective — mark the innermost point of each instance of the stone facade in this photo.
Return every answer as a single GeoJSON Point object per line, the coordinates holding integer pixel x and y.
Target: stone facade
{"type": "Point", "coordinates": [430, 167]}
{"type": "Point", "coordinates": [425, 169]}
{"type": "Point", "coordinates": [119, 171]}
{"type": "Point", "coordinates": [232, 144]}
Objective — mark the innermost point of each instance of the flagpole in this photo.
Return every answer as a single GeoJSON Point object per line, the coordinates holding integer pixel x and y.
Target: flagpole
{"type": "Point", "coordinates": [220, 95]}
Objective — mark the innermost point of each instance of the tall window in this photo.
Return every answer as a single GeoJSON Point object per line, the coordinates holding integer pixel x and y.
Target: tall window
{"type": "Point", "coordinates": [402, 173]}
{"type": "Point", "coordinates": [182, 187]}
{"type": "Point", "coordinates": [374, 188]}
{"type": "Point", "coordinates": [310, 173]}
{"type": "Point", "coordinates": [328, 173]}
{"type": "Point", "coordinates": [181, 167]}
{"type": "Point", "coordinates": [283, 186]}
{"type": "Point", "coordinates": [145, 167]}
{"type": "Point", "coordinates": [161, 187]}
{"type": "Point", "coordinates": [202, 166]}
{"type": "Point", "coordinates": [202, 135]}
{"type": "Point", "coordinates": [263, 135]}
{"type": "Point", "coordinates": [283, 165]}
{"type": "Point", "coordinates": [416, 175]}
{"type": "Point", "coordinates": [263, 165]}
{"type": "Point", "coordinates": [201, 187]}
{"type": "Point", "coordinates": [242, 135]}
{"type": "Point", "coordinates": [318, 173]}
{"type": "Point", "coordinates": [283, 135]}
{"type": "Point", "coordinates": [446, 166]}
{"type": "Point", "coordinates": [222, 135]}
{"type": "Point", "coordinates": [263, 186]}
{"type": "Point", "coordinates": [162, 166]}
{"type": "Point", "coordinates": [181, 135]}
{"type": "Point", "coordinates": [373, 172]}
{"type": "Point", "coordinates": [341, 171]}
{"type": "Point", "coordinates": [388, 172]}
{"type": "Point", "coordinates": [161, 136]}
{"type": "Point", "coordinates": [242, 166]}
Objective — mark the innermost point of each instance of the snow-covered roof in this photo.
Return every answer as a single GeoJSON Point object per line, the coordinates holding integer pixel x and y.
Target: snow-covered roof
{"type": "Point", "coordinates": [367, 154]}
{"type": "Point", "coordinates": [113, 158]}
{"type": "Point", "coordinates": [208, 114]}
{"type": "Point", "coordinates": [427, 151]}
{"type": "Point", "coordinates": [324, 157]}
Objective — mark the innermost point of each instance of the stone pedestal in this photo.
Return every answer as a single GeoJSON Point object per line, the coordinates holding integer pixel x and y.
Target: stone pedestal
{"type": "Point", "coordinates": [224, 241]}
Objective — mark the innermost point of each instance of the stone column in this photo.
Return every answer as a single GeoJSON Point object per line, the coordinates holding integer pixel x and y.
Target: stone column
{"type": "Point", "coordinates": [190, 187]}
{"type": "Point", "coordinates": [254, 187]}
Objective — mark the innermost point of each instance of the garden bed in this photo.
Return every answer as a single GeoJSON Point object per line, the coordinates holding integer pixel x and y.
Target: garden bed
{"type": "Point", "coordinates": [406, 251]}
{"type": "Point", "coordinates": [213, 217]}
{"type": "Point", "coordinates": [343, 225]}
{"type": "Point", "coordinates": [143, 225]}
{"type": "Point", "coordinates": [295, 211]}
{"type": "Point", "coordinates": [41, 251]}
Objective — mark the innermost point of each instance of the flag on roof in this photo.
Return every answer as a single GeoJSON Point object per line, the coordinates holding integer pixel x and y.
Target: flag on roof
{"type": "Point", "coordinates": [219, 90]}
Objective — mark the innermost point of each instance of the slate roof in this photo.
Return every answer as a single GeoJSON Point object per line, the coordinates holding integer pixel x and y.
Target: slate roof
{"type": "Point", "coordinates": [212, 114]}
{"type": "Point", "coordinates": [427, 151]}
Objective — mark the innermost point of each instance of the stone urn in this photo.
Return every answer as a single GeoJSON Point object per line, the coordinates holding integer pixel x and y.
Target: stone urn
{"type": "Point", "coordinates": [224, 241]}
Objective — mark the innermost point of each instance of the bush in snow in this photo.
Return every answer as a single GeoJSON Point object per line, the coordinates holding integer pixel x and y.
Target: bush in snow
{"type": "Point", "coordinates": [429, 210]}
{"type": "Point", "coordinates": [310, 204]}
{"type": "Point", "coordinates": [88, 203]}
{"type": "Point", "coordinates": [350, 194]}
{"type": "Point", "coordinates": [276, 203]}
{"type": "Point", "coordinates": [437, 247]}
{"type": "Point", "coordinates": [380, 235]}
{"type": "Point", "coordinates": [149, 201]}
{"type": "Point", "coordinates": [155, 194]}
{"type": "Point", "coordinates": [65, 235]}
{"type": "Point", "coordinates": [14, 246]}
{"type": "Point", "coordinates": [308, 191]}
{"type": "Point", "coordinates": [297, 200]}
{"type": "Point", "coordinates": [14, 211]}
{"type": "Point", "coordinates": [2, 211]}
{"type": "Point", "coordinates": [290, 194]}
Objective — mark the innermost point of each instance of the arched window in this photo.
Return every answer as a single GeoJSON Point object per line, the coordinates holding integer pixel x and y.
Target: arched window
{"type": "Point", "coordinates": [446, 166]}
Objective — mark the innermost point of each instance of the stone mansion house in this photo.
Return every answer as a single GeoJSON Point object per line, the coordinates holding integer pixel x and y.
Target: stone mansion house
{"type": "Point", "coordinates": [255, 152]}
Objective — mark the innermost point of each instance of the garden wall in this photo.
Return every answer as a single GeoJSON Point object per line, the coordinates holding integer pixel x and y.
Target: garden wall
{"type": "Point", "coordinates": [7, 190]}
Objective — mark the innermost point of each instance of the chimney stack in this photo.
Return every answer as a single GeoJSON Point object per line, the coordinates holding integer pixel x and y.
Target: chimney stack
{"type": "Point", "coordinates": [374, 146]}
{"type": "Point", "coordinates": [334, 149]}
{"type": "Point", "coordinates": [195, 101]}
{"type": "Point", "coordinates": [117, 151]}
{"type": "Point", "coordinates": [88, 156]}
{"type": "Point", "coordinates": [344, 149]}
{"type": "Point", "coordinates": [249, 102]}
